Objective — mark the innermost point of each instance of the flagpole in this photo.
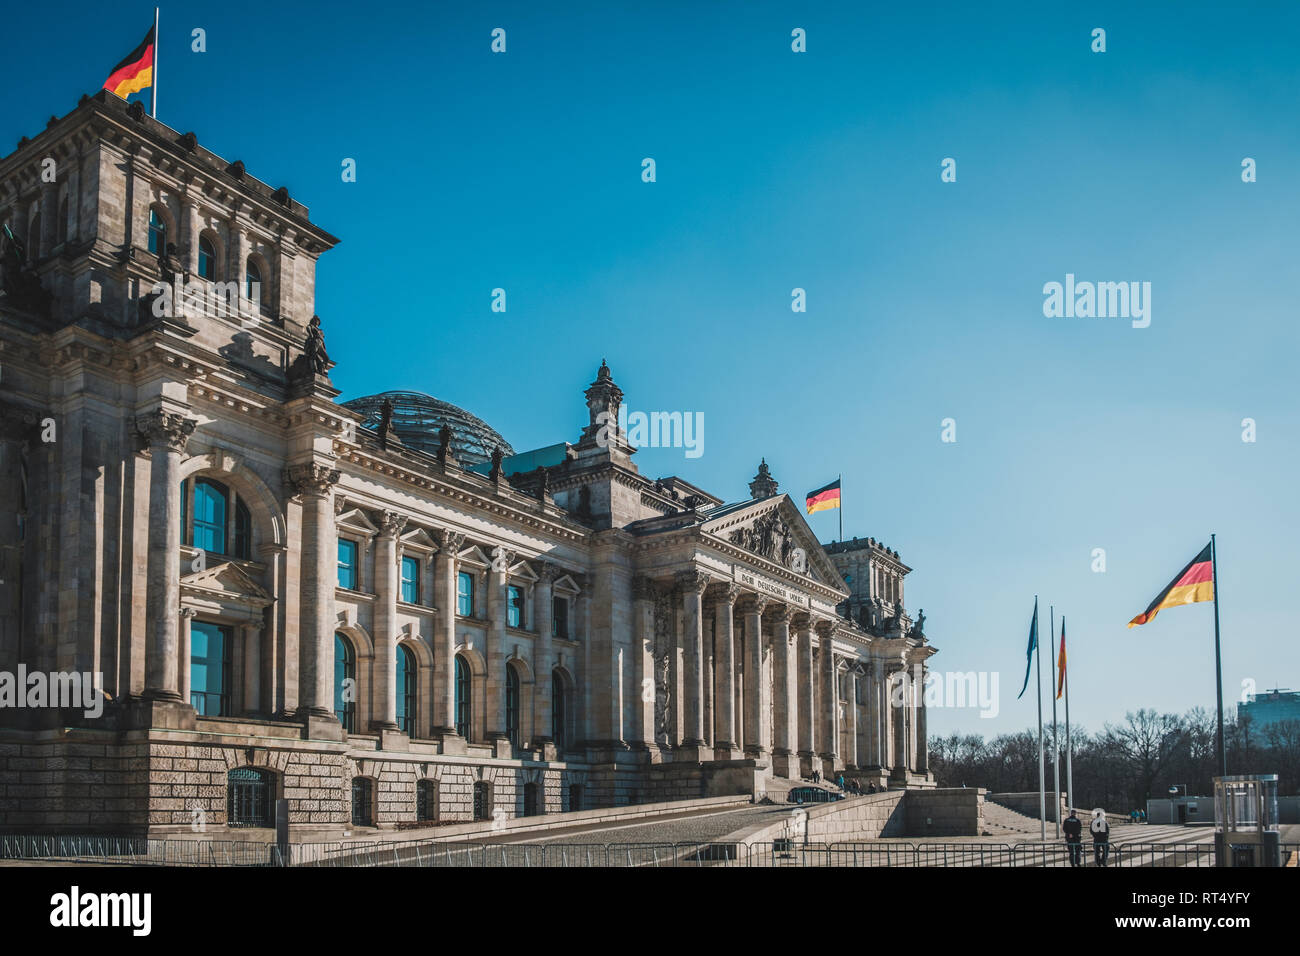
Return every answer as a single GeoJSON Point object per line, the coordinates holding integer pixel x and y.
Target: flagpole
{"type": "Point", "coordinates": [1218, 658]}
{"type": "Point", "coordinates": [1042, 779]}
{"type": "Point", "coordinates": [841, 508]}
{"type": "Point", "coordinates": [1056, 747]}
{"type": "Point", "coordinates": [1069, 741]}
{"type": "Point", "coordinates": [153, 87]}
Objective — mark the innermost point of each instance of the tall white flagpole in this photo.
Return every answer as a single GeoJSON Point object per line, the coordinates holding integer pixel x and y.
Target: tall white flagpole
{"type": "Point", "coordinates": [1056, 745]}
{"type": "Point", "coordinates": [1069, 741]}
{"type": "Point", "coordinates": [1042, 780]}
{"type": "Point", "coordinates": [153, 87]}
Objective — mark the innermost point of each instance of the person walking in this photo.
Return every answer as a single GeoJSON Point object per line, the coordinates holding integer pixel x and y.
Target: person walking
{"type": "Point", "coordinates": [1100, 836]}
{"type": "Point", "coordinates": [1073, 828]}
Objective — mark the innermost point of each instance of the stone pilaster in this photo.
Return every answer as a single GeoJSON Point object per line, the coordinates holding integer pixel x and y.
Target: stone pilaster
{"type": "Point", "coordinates": [183, 675]}
{"type": "Point", "coordinates": [167, 433]}
{"type": "Point", "coordinates": [643, 651]}
{"type": "Point", "coordinates": [498, 610]}
{"type": "Point", "coordinates": [544, 658]}
{"type": "Point", "coordinates": [691, 585]}
{"type": "Point", "coordinates": [922, 742]}
{"type": "Point", "coordinates": [896, 684]}
{"type": "Point", "coordinates": [314, 482]}
{"type": "Point", "coordinates": [387, 584]}
{"type": "Point", "coordinates": [752, 607]}
{"type": "Point", "coordinates": [444, 640]}
{"type": "Point", "coordinates": [724, 672]}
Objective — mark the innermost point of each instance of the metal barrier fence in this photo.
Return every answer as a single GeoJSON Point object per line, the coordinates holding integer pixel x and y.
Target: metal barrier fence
{"type": "Point", "coordinates": [780, 853]}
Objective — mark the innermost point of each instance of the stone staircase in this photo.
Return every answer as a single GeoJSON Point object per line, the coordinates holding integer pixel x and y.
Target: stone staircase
{"type": "Point", "coordinates": [1003, 821]}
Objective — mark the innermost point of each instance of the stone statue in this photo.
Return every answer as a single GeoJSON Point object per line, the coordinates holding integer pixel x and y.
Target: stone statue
{"type": "Point", "coordinates": [385, 421]}
{"type": "Point", "coordinates": [543, 482]}
{"type": "Point", "coordinates": [919, 626]}
{"type": "Point", "coordinates": [21, 282]}
{"type": "Point", "coordinates": [313, 352]}
{"type": "Point", "coordinates": [444, 444]}
{"type": "Point", "coordinates": [497, 457]}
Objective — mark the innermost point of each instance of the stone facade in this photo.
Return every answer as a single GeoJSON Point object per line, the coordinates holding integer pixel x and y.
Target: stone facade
{"type": "Point", "coordinates": [281, 603]}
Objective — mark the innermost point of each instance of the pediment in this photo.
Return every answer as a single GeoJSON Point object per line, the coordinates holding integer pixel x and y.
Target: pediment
{"type": "Point", "coordinates": [226, 580]}
{"type": "Point", "coordinates": [773, 528]}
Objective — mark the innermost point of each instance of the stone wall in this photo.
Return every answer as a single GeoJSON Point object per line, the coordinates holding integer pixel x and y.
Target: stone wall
{"type": "Point", "coordinates": [958, 811]}
{"type": "Point", "coordinates": [1027, 803]}
{"type": "Point", "coordinates": [857, 818]}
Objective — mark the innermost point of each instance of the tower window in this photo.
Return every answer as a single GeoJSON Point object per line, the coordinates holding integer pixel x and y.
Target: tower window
{"type": "Point", "coordinates": [207, 258]}
{"type": "Point", "coordinates": [347, 564]}
{"type": "Point", "coordinates": [157, 233]}
{"type": "Point", "coordinates": [515, 606]}
{"type": "Point", "coordinates": [253, 282]}
{"type": "Point", "coordinates": [465, 594]}
{"type": "Point", "coordinates": [411, 580]}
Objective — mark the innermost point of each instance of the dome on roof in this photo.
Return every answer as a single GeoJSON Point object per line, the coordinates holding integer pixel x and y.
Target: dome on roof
{"type": "Point", "coordinates": [417, 419]}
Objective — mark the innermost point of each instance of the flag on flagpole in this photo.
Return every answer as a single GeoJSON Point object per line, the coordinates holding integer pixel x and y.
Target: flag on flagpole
{"type": "Point", "coordinates": [824, 498]}
{"type": "Point", "coordinates": [1060, 663]}
{"type": "Point", "coordinates": [1193, 584]}
{"type": "Point", "coordinates": [1029, 654]}
{"type": "Point", "coordinates": [135, 72]}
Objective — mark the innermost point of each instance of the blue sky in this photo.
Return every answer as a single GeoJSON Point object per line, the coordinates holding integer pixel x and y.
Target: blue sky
{"type": "Point", "coordinates": [820, 170]}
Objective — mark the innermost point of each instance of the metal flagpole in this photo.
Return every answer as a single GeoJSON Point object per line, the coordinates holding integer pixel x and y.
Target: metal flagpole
{"type": "Point", "coordinates": [1069, 741]}
{"type": "Point", "coordinates": [841, 508]}
{"type": "Point", "coordinates": [1056, 749]}
{"type": "Point", "coordinates": [1218, 659]}
{"type": "Point", "coordinates": [153, 87]}
{"type": "Point", "coordinates": [1042, 781]}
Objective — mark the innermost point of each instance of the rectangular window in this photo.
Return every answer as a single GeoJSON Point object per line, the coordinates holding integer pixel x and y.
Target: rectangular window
{"type": "Point", "coordinates": [465, 594]}
{"type": "Point", "coordinates": [210, 668]}
{"type": "Point", "coordinates": [347, 564]}
{"type": "Point", "coordinates": [560, 617]}
{"type": "Point", "coordinates": [514, 606]}
{"type": "Point", "coordinates": [411, 580]}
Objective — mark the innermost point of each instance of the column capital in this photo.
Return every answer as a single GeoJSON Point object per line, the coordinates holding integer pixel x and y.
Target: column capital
{"type": "Point", "coordinates": [312, 478]}
{"type": "Point", "coordinates": [724, 592]}
{"type": "Point", "coordinates": [449, 542]}
{"type": "Point", "coordinates": [824, 629]}
{"type": "Point", "coordinates": [692, 580]}
{"type": "Point", "coordinates": [801, 621]}
{"type": "Point", "coordinates": [188, 612]}
{"type": "Point", "coordinates": [168, 430]}
{"type": "Point", "coordinates": [644, 588]}
{"type": "Point", "coordinates": [548, 572]}
{"type": "Point", "coordinates": [391, 524]}
{"type": "Point", "coordinates": [751, 603]}
{"type": "Point", "coordinates": [779, 613]}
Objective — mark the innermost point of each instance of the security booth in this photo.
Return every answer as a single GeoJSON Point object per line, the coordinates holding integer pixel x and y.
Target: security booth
{"type": "Point", "coordinates": [1245, 820]}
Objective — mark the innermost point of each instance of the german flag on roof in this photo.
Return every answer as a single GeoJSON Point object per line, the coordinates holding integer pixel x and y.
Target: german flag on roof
{"type": "Point", "coordinates": [1194, 583]}
{"type": "Point", "coordinates": [824, 498]}
{"type": "Point", "coordinates": [134, 73]}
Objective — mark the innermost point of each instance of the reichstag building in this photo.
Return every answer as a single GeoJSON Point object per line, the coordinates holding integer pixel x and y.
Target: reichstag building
{"type": "Point", "coordinates": [377, 610]}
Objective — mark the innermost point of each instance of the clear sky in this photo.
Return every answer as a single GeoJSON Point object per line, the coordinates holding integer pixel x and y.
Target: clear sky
{"type": "Point", "coordinates": [819, 170]}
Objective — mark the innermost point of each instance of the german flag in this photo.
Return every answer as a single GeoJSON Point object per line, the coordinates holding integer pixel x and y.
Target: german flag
{"type": "Point", "coordinates": [824, 498]}
{"type": "Point", "coordinates": [1194, 583]}
{"type": "Point", "coordinates": [134, 73]}
{"type": "Point", "coordinates": [1060, 663]}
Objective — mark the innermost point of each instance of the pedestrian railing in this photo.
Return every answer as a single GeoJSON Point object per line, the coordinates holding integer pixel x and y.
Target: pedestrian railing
{"type": "Point", "coordinates": [130, 851]}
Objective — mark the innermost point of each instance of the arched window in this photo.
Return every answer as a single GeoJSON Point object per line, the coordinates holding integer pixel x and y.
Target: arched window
{"type": "Point", "coordinates": [207, 258]}
{"type": "Point", "coordinates": [405, 690]}
{"type": "Point", "coordinates": [345, 682]}
{"type": "Point", "coordinates": [249, 798]}
{"type": "Point", "coordinates": [512, 705]}
{"type": "Point", "coordinates": [559, 708]}
{"type": "Point", "coordinates": [253, 282]}
{"type": "Point", "coordinates": [363, 802]}
{"type": "Point", "coordinates": [462, 697]}
{"type": "Point", "coordinates": [426, 801]}
{"type": "Point", "coordinates": [216, 520]}
{"type": "Point", "coordinates": [157, 233]}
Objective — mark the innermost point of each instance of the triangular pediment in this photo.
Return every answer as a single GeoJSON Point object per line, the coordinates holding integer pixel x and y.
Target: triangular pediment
{"type": "Point", "coordinates": [775, 529]}
{"type": "Point", "coordinates": [226, 580]}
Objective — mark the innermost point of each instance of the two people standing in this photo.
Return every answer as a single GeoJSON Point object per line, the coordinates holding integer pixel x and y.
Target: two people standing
{"type": "Point", "coordinates": [1100, 830]}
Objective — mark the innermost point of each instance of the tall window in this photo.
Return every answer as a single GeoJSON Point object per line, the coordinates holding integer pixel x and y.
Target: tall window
{"type": "Point", "coordinates": [345, 683]}
{"type": "Point", "coordinates": [482, 800]}
{"type": "Point", "coordinates": [207, 258]}
{"type": "Point", "coordinates": [253, 282]}
{"type": "Point", "coordinates": [532, 800]}
{"type": "Point", "coordinates": [347, 564]}
{"type": "Point", "coordinates": [221, 522]}
{"type": "Point", "coordinates": [363, 802]}
{"type": "Point", "coordinates": [465, 594]}
{"type": "Point", "coordinates": [405, 690]}
{"type": "Point", "coordinates": [559, 707]}
{"type": "Point", "coordinates": [560, 617]}
{"type": "Point", "coordinates": [411, 580]}
{"type": "Point", "coordinates": [512, 705]}
{"type": "Point", "coordinates": [426, 800]}
{"type": "Point", "coordinates": [462, 697]}
{"type": "Point", "coordinates": [249, 798]}
{"type": "Point", "coordinates": [210, 668]}
{"type": "Point", "coordinates": [157, 233]}
{"type": "Point", "coordinates": [515, 606]}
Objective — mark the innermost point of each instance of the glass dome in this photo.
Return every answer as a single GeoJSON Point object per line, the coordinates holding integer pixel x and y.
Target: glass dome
{"type": "Point", "coordinates": [417, 419]}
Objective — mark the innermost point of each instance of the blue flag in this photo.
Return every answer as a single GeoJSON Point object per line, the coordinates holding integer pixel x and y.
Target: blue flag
{"type": "Point", "coordinates": [1033, 646]}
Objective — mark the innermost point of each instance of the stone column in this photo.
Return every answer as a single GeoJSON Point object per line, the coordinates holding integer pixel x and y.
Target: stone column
{"type": "Point", "coordinates": [851, 758]}
{"type": "Point", "coordinates": [186, 619]}
{"type": "Point", "coordinates": [315, 483]}
{"type": "Point", "coordinates": [498, 609]}
{"type": "Point", "coordinates": [444, 639]}
{"type": "Point", "coordinates": [167, 433]}
{"type": "Point", "coordinates": [544, 658]}
{"type": "Point", "coordinates": [897, 686]}
{"type": "Point", "coordinates": [724, 672]}
{"type": "Point", "coordinates": [387, 583]}
{"type": "Point", "coordinates": [873, 714]}
{"type": "Point", "coordinates": [691, 585]}
{"type": "Point", "coordinates": [922, 745]}
{"type": "Point", "coordinates": [752, 608]}
{"type": "Point", "coordinates": [193, 227]}
{"type": "Point", "coordinates": [807, 677]}
{"type": "Point", "coordinates": [784, 761]}
{"type": "Point", "coordinates": [643, 657]}
{"type": "Point", "coordinates": [829, 697]}
{"type": "Point", "coordinates": [253, 666]}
